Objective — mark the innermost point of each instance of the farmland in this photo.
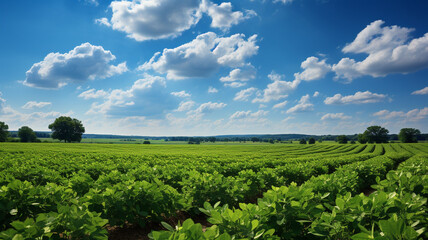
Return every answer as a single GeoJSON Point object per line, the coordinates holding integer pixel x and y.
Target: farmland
{"type": "Point", "coordinates": [242, 191]}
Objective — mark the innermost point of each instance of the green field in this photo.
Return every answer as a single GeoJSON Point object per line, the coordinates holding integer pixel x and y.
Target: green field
{"type": "Point", "coordinates": [231, 191]}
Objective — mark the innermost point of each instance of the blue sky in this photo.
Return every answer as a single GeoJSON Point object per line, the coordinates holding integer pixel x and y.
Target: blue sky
{"type": "Point", "coordinates": [205, 67]}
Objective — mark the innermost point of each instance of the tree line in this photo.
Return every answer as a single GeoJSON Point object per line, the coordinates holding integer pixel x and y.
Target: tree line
{"type": "Point", "coordinates": [65, 129]}
{"type": "Point", "coordinates": [376, 134]}
{"type": "Point", "coordinates": [69, 129]}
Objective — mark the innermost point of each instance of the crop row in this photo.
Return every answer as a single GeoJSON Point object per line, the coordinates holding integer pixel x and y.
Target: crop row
{"type": "Point", "coordinates": [327, 206]}
{"type": "Point", "coordinates": [76, 195]}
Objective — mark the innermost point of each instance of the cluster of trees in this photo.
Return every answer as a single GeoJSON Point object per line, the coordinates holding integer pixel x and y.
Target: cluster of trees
{"type": "Point", "coordinates": [65, 129]}
{"type": "Point", "coordinates": [378, 134]}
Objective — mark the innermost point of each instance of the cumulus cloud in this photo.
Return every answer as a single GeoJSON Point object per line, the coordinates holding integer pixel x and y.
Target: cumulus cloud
{"type": "Point", "coordinates": [422, 91]}
{"type": "Point", "coordinates": [238, 76]}
{"type": "Point", "coordinates": [84, 62]}
{"type": "Point", "coordinates": [92, 94]}
{"type": "Point", "coordinates": [248, 114]}
{"type": "Point", "coordinates": [157, 19]}
{"type": "Point", "coordinates": [36, 120]}
{"type": "Point", "coordinates": [103, 21]}
{"type": "Point", "coordinates": [204, 108]}
{"type": "Point", "coordinates": [185, 106]}
{"type": "Point", "coordinates": [277, 89]}
{"type": "Point", "coordinates": [389, 51]}
{"type": "Point", "coordinates": [182, 94]}
{"type": "Point", "coordinates": [203, 56]}
{"type": "Point", "coordinates": [34, 104]}
{"type": "Point", "coordinates": [245, 94]}
{"type": "Point", "coordinates": [313, 69]}
{"type": "Point", "coordinates": [222, 15]}
{"type": "Point", "coordinates": [357, 98]}
{"type": "Point", "coordinates": [235, 84]}
{"type": "Point", "coordinates": [316, 94]}
{"type": "Point", "coordinates": [334, 116]}
{"type": "Point", "coordinates": [154, 19]}
{"type": "Point", "coordinates": [147, 97]}
{"type": "Point", "coordinates": [304, 105]}
{"type": "Point", "coordinates": [412, 115]}
{"type": "Point", "coordinates": [212, 90]}
{"type": "Point", "coordinates": [280, 105]}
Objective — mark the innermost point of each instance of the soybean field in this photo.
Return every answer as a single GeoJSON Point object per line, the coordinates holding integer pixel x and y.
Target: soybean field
{"type": "Point", "coordinates": [242, 191]}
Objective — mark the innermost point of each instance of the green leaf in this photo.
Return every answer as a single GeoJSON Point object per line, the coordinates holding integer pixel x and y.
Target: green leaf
{"type": "Point", "coordinates": [254, 224]}
{"type": "Point", "coordinates": [167, 226]}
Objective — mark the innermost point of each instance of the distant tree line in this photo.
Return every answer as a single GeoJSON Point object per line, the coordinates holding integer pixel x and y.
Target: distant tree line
{"type": "Point", "coordinates": [71, 130]}
{"type": "Point", "coordinates": [63, 128]}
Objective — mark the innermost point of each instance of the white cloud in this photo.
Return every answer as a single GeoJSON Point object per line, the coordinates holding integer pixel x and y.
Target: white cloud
{"type": "Point", "coordinates": [303, 106]}
{"type": "Point", "coordinates": [276, 90]}
{"type": "Point", "coordinates": [182, 94]}
{"type": "Point", "coordinates": [245, 94]}
{"type": "Point", "coordinates": [389, 51]}
{"type": "Point", "coordinates": [185, 106]}
{"type": "Point", "coordinates": [36, 120]}
{"type": "Point", "coordinates": [84, 62]}
{"type": "Point", "coordinates": [313, 69]}
{"type": "Point", "coordinates": [154, 19]}
{"type": "Point", "coordinates": [235, 84]}
{"type": "Point", "coordinates": [280, 105]}
{"type": "Point", "coordinates": [412, 115]}
{"type": "Point", "coordinates": [103, 21]}
{"type": "Point", "coordinates": [240, 74]}
{"type": "Point", "coordinates": [248, 114]}
{"type": "Point", "coordinates": [33, 104]}
{"type": "Point", "coordinates": [209, 106]}
{"type": "Point", "coordinates": [222, 15]}
{"type": "Point", "coordinates": [203, 56]}
{"type": "Point", "coordinates": [204, 108]}
{"type": "Point", "coordinates": [212, 90]}
{"type": "Point", "coordinates": [334, 116]}
{"type": "Point", "coordinates": [422, 91]}
{"type": "Point", "coordinates": [157, 19]}
{"type": "Point", "coordinates": [357, 98]}
{"type": "Point", "coordinates": [316, 94]}
{"type": "Point", "coordinates": [92, 93]}
{"type": "Point", "coordinates": [147, 97]}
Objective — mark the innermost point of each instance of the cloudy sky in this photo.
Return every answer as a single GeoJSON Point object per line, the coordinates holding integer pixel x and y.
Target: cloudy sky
{"type": "Point", "coordinates": [206, 67]}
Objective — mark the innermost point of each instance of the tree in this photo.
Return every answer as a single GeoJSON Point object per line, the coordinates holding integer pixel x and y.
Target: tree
{"type": "Point", "coordinates": [302, 141]}
{"type": "Point", "coordinates": [409, 135]}
{"type": "Point", "coordinates": [362, 138]}
{"type": "Point", "coordinates": [26, 134]}
{"type": "Point", "coordinates": [376, 134]}
{"type": "Point", "coordinates": [67, 129]}
{"type": "Point", "coordinates": [3, 132]}
{"type": "Point", "coordinates": [311, 140]}
{"type": "Point", "coordinates": [342, 139]}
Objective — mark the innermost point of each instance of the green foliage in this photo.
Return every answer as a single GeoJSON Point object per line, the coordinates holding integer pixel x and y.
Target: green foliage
{"type": "Point", "coordinates": [58, 192]}
{"type": "Point", "coordinates": [302, 141]}
{"type": "Point", "coordinates": [409, 135]}
{"type": "Point", "coordinates": [342, 139]}
{"type": "Point", "coordinates": [26, 134]}
{"type": "Point", "coordinates": [376, 134]}
{"type": "Point", "coordinates": [362, 138]}
{"type": "Point", "coordinates": [311, 141]}
{"type": "Point", "coordinates": [3, 132]}
{"type": "Point", "coordinates": [67, 129]}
